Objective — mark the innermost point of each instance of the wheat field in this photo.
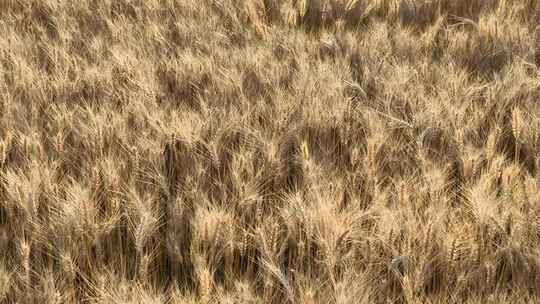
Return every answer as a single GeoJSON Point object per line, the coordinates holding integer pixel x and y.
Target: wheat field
{"type": "Point", "coordinates": [270, 151]}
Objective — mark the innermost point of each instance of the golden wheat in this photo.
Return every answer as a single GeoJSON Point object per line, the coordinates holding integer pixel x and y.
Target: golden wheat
{"type": "Point", "coordinates": [269, 151]}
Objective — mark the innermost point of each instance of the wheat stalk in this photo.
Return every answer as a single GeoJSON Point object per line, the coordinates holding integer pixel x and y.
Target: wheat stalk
{"type": "Point", "coordinates": [517, 131]}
